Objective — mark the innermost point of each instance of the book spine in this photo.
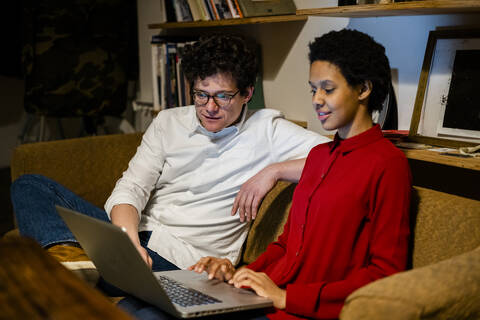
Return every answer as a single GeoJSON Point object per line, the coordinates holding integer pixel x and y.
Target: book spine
{"type": "Point", "coordinates": [224, 8]}
{"type": "Point", "coordinates": [233, 9]}
{"type": "Point", "coordinates": [171, 75]}
{"type": "Point", "coordinates": [240, 13]}
{"type": "Point", "coordinates": [156, 88]}
{"type": "Point", "coordinates": [203, 10]}
{"type": "Point", "coordinates": [196, 14]}
{"type": "Point", "coordinates": [208, 5]}
{"type": "Point", "coordinates": [182, 10]}
{"type": "Point", "coordinates": [180, 76]}
{"type": "Point", "coordinates": [163, 11]}
{"type": "Point", "coordinates": [162, 84]}
{"type": "Point", "coordinates": [170, 11]}
{"type": "Point", "coordinates": [214, 9]}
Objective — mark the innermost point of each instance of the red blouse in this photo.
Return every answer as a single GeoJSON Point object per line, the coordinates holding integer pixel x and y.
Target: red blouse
{"type": "Point", "coordinates": [348, 225]}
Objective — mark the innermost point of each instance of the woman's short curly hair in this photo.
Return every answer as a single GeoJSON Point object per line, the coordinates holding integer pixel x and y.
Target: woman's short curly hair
{"type": "Point", "coordinates": [222, 53]}
{"type": "Point", "coordinates": [359, 58]}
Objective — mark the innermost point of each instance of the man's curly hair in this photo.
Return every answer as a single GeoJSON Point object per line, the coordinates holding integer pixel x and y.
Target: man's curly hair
{"type": "Point", "coordinates": [222, 53]}
{"type": "Point", "coordinates": [359, 58]}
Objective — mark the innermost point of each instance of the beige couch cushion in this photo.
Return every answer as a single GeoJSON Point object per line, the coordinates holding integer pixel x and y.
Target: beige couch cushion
{"type": "Point", "coordinates": [446, 225]}
{"type": "Point", "coordinates": [88, 166]}
{"type": "Point", "coordinates": [446, 290]}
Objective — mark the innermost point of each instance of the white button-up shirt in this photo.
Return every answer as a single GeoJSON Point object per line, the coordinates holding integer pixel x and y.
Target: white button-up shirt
{"type": "Point", "coordinates": [183, 179]}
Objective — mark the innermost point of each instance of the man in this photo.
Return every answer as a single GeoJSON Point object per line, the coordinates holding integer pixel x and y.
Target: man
{"type": "Point", "coordinates": [178, 197]}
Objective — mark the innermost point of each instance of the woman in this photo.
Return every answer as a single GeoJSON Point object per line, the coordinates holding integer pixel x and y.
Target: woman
{"type": "Point", "coordinates": [348, 225]}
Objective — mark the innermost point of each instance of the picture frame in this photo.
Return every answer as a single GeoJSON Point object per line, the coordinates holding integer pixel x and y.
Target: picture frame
{"type": "Point", "coordinates": [447, 104]}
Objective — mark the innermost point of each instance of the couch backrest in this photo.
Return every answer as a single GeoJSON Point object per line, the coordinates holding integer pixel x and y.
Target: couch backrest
{"type": "Point", "coordinates": [90, 166]}
{"type": "Point", "coordinates": [446, 225]}
{"type": "Point", "coordinates": [443, 225]}
{"type": "Point", "coordinates": [271, 217]}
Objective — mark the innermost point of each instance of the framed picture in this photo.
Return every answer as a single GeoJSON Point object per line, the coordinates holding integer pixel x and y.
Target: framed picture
{"type": "Point", "coordinates": [447, 105]}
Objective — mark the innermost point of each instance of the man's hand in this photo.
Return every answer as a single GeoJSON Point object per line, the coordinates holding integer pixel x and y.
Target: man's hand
{"type": "Point", "coordinates": [254, 189]}
{"type": "Point", "coordinates": [261, 284]}
{"type": "Point", "coordinates": [252, 192]}
{"type": "Point", "coordinates": [144, 254]}
{"type": "Point", "coordinates": [221, 269]}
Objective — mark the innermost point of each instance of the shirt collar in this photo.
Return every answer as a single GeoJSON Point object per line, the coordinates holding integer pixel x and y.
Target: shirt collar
{"type": "Point", "coordinates": [198, 128]}
{"type": "Point", "coordinates": [371, 135]}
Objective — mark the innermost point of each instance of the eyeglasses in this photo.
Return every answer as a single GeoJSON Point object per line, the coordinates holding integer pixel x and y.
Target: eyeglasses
{"type": "Point", "coordinates": [221, 99]}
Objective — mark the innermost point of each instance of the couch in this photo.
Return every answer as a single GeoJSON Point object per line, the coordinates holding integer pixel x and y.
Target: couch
{"type": "Point", "coordinates": [443, 281]}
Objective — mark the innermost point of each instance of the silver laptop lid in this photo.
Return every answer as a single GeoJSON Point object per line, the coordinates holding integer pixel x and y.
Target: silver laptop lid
{"type": "Point", "coordinates": [101, 240]}
{"type": "Point", "coordinates": [120, 264]}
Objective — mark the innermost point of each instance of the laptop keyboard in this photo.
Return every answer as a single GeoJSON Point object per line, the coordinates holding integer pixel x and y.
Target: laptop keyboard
{"type": "Point", "coordinates": [183, 296]}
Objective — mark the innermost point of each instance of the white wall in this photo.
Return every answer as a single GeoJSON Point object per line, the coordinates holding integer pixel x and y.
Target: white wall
{"type": "Point", "coordinates": [148, 11]}
{"type": "Point", "coordinates": [284, 45]}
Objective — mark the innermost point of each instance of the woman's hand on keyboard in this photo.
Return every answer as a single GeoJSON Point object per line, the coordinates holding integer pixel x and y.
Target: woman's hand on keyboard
{"type": "Point", "coordinates": [221, 269]}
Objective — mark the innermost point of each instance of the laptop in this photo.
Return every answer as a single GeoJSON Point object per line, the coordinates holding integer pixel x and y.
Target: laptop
{"type": "Point", "coordinates": [181, 293]}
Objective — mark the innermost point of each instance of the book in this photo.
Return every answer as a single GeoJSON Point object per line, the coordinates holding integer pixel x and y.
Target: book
{"type": "Point", "coordinates": [208, 5]}
{"type": "Point", "coordinates": [222, 8]}
{"type": "Point", "coordinates": [170, 11]}
{"type": "Point", "coordinates": [158, 76]}
{"type": "Point", "coordinates": [171, 76]}
{"type": "Point", "coordinates": [182, 10]}
{"type": "Point", "coordinates": [256, 8]}
{"type": "Point", "coordinates": [258, 100]}
{"type": "Point", "coordinates": [163, 11]}
{"type": "Point", "coordinates": [213, 9]}
{"type": "Point", "coordinates": [195, 10]}
{"type": "Point", "coordinates": [156, 89]}
{"type": "Point", "coordinates": [233, 9]}
{"type": "Point", "coordinates": [182, 86]}
{"type": "Point", "coordinates": [170, 87]}
{"type": "Point", "coordinates": [203, 9]}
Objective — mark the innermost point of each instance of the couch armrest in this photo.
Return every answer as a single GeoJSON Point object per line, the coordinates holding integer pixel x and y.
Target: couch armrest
{"type": "Point", "coordinates": [271, 217]}
{"type": "Point", "coordinates": [88, 166]}
{"type": "Point", "coordinates": [449, 289]}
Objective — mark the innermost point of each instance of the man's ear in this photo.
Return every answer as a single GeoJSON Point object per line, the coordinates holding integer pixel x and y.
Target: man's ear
{"type": "Point", "coordinates": [249, 95]}
{"type": "Point", "coordinates": [365, 89]}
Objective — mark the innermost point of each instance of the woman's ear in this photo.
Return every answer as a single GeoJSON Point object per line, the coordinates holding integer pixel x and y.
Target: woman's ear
{"type": "Point", "coordinates": [365, 90]}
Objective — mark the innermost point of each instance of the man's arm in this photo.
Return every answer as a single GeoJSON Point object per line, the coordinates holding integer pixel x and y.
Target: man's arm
{"type": "Point", "coordinates": [254, 189]}
{"type": "Point", "coordinates": [126, 217]}
{"type": "Point", "coordinates": [288, 141]}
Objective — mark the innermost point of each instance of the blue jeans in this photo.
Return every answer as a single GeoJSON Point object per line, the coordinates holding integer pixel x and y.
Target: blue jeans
{"type": "Point", "coordinates": [34, 198]}
{"type": "Point", "coordinates": [143, 311]}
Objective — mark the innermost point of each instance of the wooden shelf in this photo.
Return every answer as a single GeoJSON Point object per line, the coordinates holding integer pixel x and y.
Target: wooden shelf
{"type": "Point", "coordinates": [227, 22]}
{"type": "Point", "coordinates": [449, 160]}
{"type": "Point", "coordinates": [397, 9]}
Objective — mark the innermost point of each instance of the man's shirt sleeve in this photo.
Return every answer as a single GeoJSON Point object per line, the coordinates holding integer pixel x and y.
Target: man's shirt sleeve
{"type": "Point", "coordinates": [143, 171]}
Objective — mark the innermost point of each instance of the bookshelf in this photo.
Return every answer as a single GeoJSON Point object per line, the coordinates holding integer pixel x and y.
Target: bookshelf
{"type": "Point", "coordinates": [227, 22]}
{"type": "Point", "coordinates": [448, 160]}
{"type": "Point", "coordinates": [410, 8]}
{"type": "Point", "coordinates": [426, 7]}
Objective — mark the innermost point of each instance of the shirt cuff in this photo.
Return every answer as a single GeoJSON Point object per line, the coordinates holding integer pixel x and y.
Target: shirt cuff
{"type": "Point", "coordinates": [301, 300]}
{"type": "Point", "coordinates": [118, 199]}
